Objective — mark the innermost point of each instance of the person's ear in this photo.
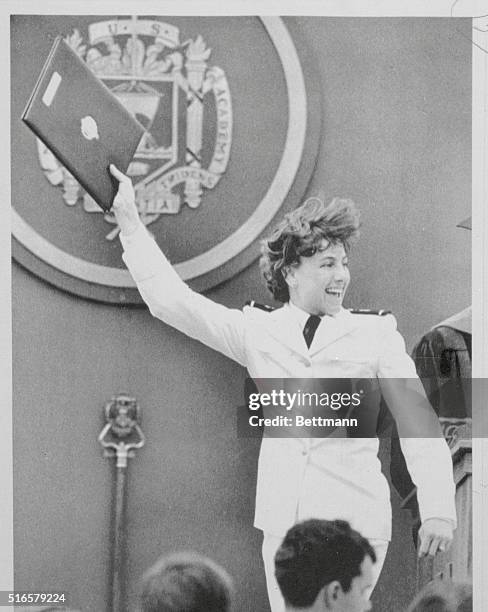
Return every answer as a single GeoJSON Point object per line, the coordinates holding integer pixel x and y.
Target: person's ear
{"type": "Point", "coordinates": [289, 275]}
{"type": "Point", "coordinates": [331, 594]}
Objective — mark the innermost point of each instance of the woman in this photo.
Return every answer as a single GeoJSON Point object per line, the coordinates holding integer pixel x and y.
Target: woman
{"type": "Point", "coordinates": [312, 336]}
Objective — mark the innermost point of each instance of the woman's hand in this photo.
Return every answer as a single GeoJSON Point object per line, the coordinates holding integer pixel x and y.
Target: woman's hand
{"type": "Point", "coordinates": [124, 205]}
{"type": "Point", "coordinates": [435, 535]}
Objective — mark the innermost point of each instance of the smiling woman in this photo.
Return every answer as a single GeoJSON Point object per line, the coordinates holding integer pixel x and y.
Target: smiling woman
{"type": "Point", "coordinates": [304, 263]}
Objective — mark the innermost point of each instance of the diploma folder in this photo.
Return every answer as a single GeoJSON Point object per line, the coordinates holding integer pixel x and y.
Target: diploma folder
{"type": "Point", "coordinates": [82, 122]}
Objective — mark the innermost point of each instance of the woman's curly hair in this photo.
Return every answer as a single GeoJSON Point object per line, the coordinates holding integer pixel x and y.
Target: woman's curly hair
{"type": "Point", "coordinates": [299, 235]}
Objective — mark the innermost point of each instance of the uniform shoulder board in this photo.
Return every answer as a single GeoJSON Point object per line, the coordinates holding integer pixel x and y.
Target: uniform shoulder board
{"type": "Point", "coordinates": [368, 311]}
{"type": "Point", "coordinates": [264, 307]}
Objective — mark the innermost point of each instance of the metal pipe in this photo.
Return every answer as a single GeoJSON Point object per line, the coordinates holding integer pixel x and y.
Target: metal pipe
{"type": "Point", "coordinates": [120, 437]}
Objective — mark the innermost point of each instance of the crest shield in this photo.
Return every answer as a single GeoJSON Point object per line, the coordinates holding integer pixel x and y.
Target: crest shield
{"type": "Point", "coordinates": [164, 84]}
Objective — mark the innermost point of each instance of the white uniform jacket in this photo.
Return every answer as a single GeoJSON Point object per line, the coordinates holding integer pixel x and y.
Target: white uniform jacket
{"type": "Point", "coordinates": [301, 478]}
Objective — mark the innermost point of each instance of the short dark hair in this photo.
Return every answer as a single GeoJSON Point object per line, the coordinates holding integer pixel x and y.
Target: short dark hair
{"type": "Point", "coordinates": [441, 596]}
{"type": "Point", "coordinates": [300, 234]}
{"type": "Point", "coordinates": [316, 552]}
{"type": "Point", "coordinates": [186, 582]}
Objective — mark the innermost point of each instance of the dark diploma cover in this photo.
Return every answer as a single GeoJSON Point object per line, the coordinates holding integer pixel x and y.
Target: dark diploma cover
{"type": "Point", "coordinates": [82, 122]}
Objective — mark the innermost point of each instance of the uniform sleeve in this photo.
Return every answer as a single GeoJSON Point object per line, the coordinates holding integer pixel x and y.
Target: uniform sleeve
{"type": "Point", "coordinates": [426, 452]}
{"type": "Point", "coordinates": [172, 301]}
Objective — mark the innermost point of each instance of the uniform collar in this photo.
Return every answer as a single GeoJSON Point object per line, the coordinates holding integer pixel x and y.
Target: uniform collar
{"type": "Point", "coordinates": [297, 313]}
{"type": "Point", "coordinates": [302, 316]}
{"type": "Point", "coordinates": [331, 329]}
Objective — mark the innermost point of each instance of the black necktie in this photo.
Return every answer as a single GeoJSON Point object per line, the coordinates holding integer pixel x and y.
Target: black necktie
{"type": "Point", "coordinates": [310, 328]}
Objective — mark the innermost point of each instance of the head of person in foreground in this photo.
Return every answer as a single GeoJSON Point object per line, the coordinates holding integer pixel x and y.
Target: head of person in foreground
{"type": "Point", "coordinates": [325, 565]}
{"type": "Point", "coordinates": [440, 596]}
{"type": "Point", "coordinates": [186, 582]}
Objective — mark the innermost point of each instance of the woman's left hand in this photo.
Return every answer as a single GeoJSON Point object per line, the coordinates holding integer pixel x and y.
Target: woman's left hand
{"type": "Point", "coordinates": [435, 535]}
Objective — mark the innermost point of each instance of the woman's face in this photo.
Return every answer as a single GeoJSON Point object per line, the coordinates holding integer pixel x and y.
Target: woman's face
{"type": "Point", "coordinates": [317, 284]}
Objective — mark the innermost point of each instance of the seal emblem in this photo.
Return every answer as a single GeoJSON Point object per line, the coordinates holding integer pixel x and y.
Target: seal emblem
{"type": "Point", "coordinates": [144, 64]}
